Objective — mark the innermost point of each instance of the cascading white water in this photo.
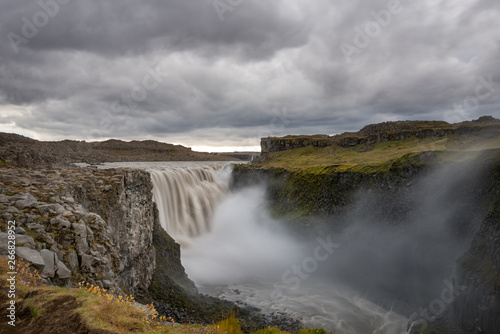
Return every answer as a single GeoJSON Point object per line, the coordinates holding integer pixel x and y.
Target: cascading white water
{"type": "Point", "coordinates": [186, 199]}
{"type": "Point", "coordinates": [234, 250]}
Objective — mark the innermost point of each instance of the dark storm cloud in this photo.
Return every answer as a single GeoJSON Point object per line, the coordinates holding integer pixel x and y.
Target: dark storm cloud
{"type": "Point", "coordinates": [174, 70]}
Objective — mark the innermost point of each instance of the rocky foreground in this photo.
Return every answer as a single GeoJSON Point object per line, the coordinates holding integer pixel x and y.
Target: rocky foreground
{"type": "Point", "coordinates": [101, 227]}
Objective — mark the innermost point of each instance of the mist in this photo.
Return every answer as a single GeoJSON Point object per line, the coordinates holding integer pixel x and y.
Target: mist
{"type": "Point", "coordinates": [245, 243]}
{"type": "Point", "coordinates": [391, 252]}
{"type": "Point", "coordinates": [399, 246]}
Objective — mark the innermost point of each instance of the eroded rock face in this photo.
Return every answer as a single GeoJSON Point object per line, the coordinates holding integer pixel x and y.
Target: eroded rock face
{"type": "Point", "coordinates": [83, 224]}
{"type": "Point", "coordinates": [484, 127]}
{"type": "Point", "coordinates": [478, 303]}
{"type": "Point", "coordinates": [471, 302]}
{"type": "Point", "coordinates": [124, 219]}
{"type": "Point", "coordinates": [102, 227]}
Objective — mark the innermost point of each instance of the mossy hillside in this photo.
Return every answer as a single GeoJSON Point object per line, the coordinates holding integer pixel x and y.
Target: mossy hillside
{"type": "Point", "coordinates": [375, 134]}
{"type": "Point", "coordinates": [366, 154]}
{"type": "Point", "coordinates": [325, 190]}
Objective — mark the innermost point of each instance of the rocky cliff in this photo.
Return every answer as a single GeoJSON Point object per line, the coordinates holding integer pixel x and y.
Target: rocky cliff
{"type": "Point", "coordinates": [484, 127]}
{"type": "Point", "coordinates": [389, 194]}
{"type": "Point", "coordinates": [477, 306]}
{"type": "Point", "coordinates": [97, 225]}
{"type": "Point", "coordinates": [102, 227]}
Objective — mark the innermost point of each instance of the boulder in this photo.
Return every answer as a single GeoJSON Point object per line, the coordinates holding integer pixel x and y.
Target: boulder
{"type": "Point", "coordinates": [25, 240]}
{"type": "Point", "coordinates": [35, 227]}
{"type": "Point", "coordinates": [86, 262]}
{"type": "Point", "coordinates": [31, 256]}
{"type": "Point", "coordinates": [7, 216]}
{"type": "Point", "coordinates": [68, 199]}
{"type": "Point", "coordinates": [51, 209]}
{"type": "Point", "coordinates": [12, 209]}
{"type": "Point", "coordinates": [25, 201]}
{"type": "Point", "coordinates": [20, 230]}
{"type": "Point", "coordinates": [49, 260]}
{"type": "Point", "coordinates": [61, 270]}
{"type": "Point", "coordinates": [107, 284]}
{"type": "Point", "coordinates": [60, 222]}
{"type": "Point", "coordinates": [21, 240]}
{"type": "Point", "coordinates": [4, 250]}
{"type": "Point", "coordinates": [81, 244]}
{"type": "Point", "coordinates": [72, 259]}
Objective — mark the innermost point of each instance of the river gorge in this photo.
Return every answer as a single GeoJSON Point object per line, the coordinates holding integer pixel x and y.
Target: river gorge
{"type": "Point", "coordinates": [408, 246]}
{"type": "Point", "coordinates": [383, 261]}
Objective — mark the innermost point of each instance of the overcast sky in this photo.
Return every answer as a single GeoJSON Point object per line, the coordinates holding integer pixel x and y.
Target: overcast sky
{"type": "Point", "coordinates": [227, 72]}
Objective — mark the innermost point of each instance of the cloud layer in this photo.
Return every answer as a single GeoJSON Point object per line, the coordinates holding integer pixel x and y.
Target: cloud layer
{"type": "Point", "coordinates": [226, 72]}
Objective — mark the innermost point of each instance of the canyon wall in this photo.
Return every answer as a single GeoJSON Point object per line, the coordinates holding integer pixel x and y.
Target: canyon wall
{"type": "Point", "coordinates": [484, 127]}
{"type": "Point", "coordinates": [387, 196]}
{"type": "Point", "coordinates": [102, 227]}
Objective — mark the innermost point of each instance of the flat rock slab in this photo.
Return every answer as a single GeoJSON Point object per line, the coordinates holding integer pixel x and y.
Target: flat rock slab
{"type": "Point", "coordinates": [31, 256]}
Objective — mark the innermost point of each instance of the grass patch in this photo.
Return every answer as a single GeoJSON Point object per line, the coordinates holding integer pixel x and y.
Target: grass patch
{"type": "Point", "coordinates": [230, 325]}
{"type": "Point", "coordinates": [34, 309]}
{"type": "Point", "coordinates": [98, 309]}
{"type": "Point", "coordinates": [342, 158]}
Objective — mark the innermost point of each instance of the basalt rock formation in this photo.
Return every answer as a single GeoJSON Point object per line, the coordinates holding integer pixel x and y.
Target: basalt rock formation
{"type": "Point", "coordinates": [484, 127]}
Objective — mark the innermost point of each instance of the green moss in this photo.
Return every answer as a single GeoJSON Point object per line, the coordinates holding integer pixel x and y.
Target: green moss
{"type": "Point", "coordinates": [374, 154]}
{"type": "Point", "coordinates": [35, 235]}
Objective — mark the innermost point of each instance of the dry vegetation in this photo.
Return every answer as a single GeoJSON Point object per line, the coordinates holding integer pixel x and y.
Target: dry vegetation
{"type": "Point", "coordinates": [91, 309]}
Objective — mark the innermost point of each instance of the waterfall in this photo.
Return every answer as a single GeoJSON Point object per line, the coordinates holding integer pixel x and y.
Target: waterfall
{"type": "Point", "coordinates": [186, 199]}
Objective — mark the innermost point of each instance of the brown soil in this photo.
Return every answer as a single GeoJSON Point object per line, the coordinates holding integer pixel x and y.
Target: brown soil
{"type": "Point", "coordinates": [57, 316]}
